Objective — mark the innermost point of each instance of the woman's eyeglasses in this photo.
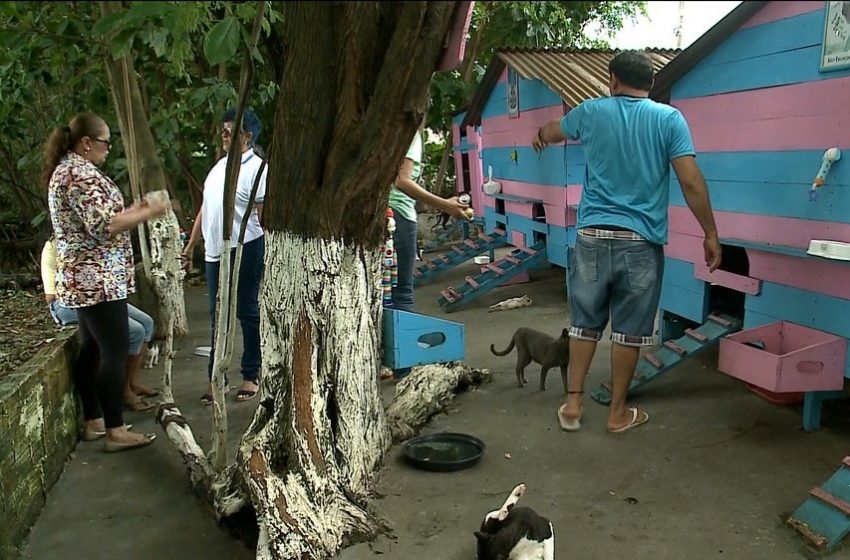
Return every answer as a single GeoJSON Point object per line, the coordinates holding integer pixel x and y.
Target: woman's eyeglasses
{"type": "Point", "coordinates": [227, 132]}
{"type": "Point", "coordinates": [107, 142]}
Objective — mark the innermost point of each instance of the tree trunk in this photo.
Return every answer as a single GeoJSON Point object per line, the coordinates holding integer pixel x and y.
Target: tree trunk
{"type": "Point", "coordinates": [161, 249]}
{"type": "Point", "coordinates": [444, 166]}
{"type": "Point", "coordinates": [320, 433]}
{"type": "Point", "coordinates": [353, 92]}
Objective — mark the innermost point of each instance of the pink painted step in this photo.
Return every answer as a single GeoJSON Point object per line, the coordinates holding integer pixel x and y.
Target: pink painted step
{"type": "Point", "coordinates": [795, 358]}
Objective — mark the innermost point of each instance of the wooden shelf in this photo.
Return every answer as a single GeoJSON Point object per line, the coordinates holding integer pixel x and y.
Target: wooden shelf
{"type": "Point", "coordinates": [778, 249]}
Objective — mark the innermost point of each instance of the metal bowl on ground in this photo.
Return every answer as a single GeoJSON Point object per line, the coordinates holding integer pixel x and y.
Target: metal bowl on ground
{"type": "Point", "coordinates": [444, 452]}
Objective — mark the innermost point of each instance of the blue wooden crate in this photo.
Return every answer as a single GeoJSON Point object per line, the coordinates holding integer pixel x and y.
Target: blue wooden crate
{"type": "Point", "coordinates": [411, 339]}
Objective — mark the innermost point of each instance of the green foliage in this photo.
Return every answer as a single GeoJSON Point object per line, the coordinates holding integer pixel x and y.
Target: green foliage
{"type": "Point", "coordinates": [52, 66]}
{"type": "Point", "coordinates": [187, 57]}
{"type": "Point", "coordinates": [520, 25]}
{"type": "Point", "coordinates": [222, 42]}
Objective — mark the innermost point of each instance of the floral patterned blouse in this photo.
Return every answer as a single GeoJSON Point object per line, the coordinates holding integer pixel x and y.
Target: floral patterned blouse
{"type": "Point", "coordinates": [92, 265]}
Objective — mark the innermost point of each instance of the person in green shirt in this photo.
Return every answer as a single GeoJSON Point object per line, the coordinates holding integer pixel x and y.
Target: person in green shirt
{"type": "Point", "coordinates": [404, 194]}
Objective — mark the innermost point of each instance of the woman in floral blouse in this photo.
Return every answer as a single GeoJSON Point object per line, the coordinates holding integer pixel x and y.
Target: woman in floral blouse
{"type": "Point", "coordinates": [94, 269]}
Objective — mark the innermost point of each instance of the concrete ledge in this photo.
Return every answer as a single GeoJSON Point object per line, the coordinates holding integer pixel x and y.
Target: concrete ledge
{"type": "Point", "coordinates": [38, 431]}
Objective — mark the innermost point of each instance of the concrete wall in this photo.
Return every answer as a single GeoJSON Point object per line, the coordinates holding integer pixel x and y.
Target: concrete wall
{"type": "Point", "coordinates": [38, 430]}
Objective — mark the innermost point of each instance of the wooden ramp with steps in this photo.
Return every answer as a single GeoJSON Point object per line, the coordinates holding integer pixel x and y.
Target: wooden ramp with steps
{"type": "Point", "coordinates": [456, 228]}
{"type": "Point", "coordinates": [493, 275]}
{"type": "Point", "coordinates": [823, 520]}
{"type": "Point", "coordinates": [458, 254]}
{"type": "Point", "coordinates": [673, 352]}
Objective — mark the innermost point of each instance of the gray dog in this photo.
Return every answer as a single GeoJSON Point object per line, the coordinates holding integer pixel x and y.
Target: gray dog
{"type": "Point", "coordinates": [532, 345]}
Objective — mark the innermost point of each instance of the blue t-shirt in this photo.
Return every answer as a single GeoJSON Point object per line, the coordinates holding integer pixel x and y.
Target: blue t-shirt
{"type": "Point", "coordinates": [628, 143]}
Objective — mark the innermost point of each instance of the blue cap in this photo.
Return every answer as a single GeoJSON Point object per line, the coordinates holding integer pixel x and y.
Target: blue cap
{"type": "Point", "coordinates": [250, 122]}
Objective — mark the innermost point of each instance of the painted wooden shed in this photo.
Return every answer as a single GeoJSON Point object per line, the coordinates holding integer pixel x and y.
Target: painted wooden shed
{"type": "Point", "coordinates": [765, 102]}
{"type": "Point", "coordinates": [538, 194]}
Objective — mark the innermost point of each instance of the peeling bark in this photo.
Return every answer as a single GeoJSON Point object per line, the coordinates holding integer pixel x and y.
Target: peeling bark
{"type": "Point", "coordinates": [167, 275]}
{"type": "Point", "coordinates": [426, 392]}
{"type": "Point", "coordinates": [194, 459]}
{"type": "Point", "coordinates": [224, 491]}
{"type": "Point", "coordinates": [319, 434]}
{"type": "Point", "coordinates": [352, 93]}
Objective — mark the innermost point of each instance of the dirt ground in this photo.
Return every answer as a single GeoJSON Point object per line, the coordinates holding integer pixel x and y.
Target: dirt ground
{"type": "Point", "coordinates": [26, 327]}
{"type": "Point", "coordinates": [712, 475]}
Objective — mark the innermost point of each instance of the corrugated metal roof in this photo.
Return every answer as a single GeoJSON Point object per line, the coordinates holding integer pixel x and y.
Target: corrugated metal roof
{"type": "Point", "coordinates": [575, 75]}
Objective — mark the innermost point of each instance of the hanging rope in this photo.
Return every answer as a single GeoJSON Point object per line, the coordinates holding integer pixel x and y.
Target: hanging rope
{"type": "Point", "coordinates": [133, 164]}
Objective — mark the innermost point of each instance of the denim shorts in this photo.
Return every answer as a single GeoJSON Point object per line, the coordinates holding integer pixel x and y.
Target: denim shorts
{"type": "Point", "coordinates": [616, 277]}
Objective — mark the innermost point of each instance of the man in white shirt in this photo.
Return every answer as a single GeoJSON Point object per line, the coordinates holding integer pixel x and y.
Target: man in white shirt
{"type": "Point", "coordinates": [209, 223]}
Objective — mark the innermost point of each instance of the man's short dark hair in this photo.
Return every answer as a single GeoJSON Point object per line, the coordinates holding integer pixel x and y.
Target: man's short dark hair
{"type": "Point", "coordinates": [633, 69]}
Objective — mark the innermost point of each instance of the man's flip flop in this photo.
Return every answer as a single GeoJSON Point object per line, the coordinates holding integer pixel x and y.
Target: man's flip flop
{"type": "Point", "coordinates": [567, 424]}
{"type": "Point", "coordinates": [639, 417]}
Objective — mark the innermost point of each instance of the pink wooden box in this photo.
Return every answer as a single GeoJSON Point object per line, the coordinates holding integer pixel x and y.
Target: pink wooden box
{"type": "Point", "coordinates": [794, 358]}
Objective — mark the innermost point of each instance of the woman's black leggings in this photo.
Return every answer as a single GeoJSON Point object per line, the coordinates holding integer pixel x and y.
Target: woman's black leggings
{"type": "Point", "coordinates": [101, 366]}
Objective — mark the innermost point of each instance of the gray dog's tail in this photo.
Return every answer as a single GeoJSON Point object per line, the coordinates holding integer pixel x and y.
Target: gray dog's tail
{"type": "Point", "coordinates": [504, 352]}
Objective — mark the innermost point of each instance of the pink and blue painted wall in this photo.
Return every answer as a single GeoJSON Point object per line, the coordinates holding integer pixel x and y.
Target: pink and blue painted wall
{"type": "Point", "coordinates": [538, 194]}
{"type": "Point", "coordinates": [761, 115]}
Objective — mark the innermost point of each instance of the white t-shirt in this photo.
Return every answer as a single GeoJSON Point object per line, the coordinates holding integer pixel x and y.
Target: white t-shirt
{"type": "Point", "coordinates": [212, 215]}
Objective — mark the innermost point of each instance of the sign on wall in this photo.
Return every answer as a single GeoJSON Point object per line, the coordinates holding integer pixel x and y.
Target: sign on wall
{"type": "Point", "coordinates": [835, 52]}
{"type": "Point", "coordinates": [513, 94]}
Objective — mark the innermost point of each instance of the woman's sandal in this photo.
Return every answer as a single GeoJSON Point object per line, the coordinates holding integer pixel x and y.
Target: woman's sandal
{"type": "Point", "coordinates": [245, 395]}
{"type": "Point", "coordinates": [139, 406]}
{"type": "Point", "coordinates": [149, 392]}
{"type": "Point", "coordinates": [94, 435]}
{"type": "Point", "coordinates": [570, 424]}
{"type": "Point", "coordinates": [113, 446]}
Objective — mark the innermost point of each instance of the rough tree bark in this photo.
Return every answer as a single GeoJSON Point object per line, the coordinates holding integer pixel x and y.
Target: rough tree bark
{"type": "Point", "coordinates": [353, 90]}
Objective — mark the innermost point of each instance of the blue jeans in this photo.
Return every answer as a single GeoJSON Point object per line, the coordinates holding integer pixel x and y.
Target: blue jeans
{"type": "Point", "coordinates": [140, 323]}
{"type": "Point", "coordinates": [404, 241]}
{"type": "Point", "coordinates": [247, 305]}
{"type": "Point", "coordinates": [617, 277]}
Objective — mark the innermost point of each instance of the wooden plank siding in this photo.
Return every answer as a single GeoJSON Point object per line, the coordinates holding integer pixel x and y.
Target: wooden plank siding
{"type": "Point", "coordinates": [762, 115]}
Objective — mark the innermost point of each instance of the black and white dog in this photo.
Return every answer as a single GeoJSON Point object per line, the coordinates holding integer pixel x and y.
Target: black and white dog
{"type": "Point", "coordinates": [515, 533]}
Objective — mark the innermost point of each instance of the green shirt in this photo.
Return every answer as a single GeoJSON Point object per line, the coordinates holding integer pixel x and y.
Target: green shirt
{"type": "Point", "coordinates": [402, 204]}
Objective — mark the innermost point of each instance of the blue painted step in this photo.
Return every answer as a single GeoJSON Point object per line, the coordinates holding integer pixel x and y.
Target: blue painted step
{"type": "Point", "coordinates": [411, 339]}
{"type": "Point", "coordinates": [455, 227]}
{"type": "Point", "coordinates": [493, 275]}
{"type": "Point", "coordinates": [459, 254]}
{"type": "Point", "coordinates": [823, 520]}
{"type": "Point", "coordinates": [674, 352]}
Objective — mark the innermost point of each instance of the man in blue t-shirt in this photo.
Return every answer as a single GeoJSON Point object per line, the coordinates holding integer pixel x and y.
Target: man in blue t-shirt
{"type": "Point", "coordinates": [617, 264]}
